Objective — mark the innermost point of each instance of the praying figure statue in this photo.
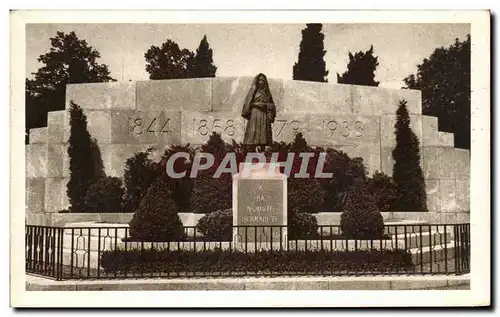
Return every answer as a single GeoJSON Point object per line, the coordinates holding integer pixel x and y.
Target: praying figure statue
{"type": "Point", "coordinates": [260, 111]}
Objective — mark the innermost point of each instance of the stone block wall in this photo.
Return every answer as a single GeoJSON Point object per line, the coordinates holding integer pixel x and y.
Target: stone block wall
{"type": "Point", "coordinates": [126, 117]}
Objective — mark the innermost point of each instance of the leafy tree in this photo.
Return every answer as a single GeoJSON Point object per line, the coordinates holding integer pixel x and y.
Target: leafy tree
{"type": "Point", "coordinates": [444, 79]}
{"type": "Point", "coordinates": [311, 65]}
{"type": "Point", "coordinates": [203, 65]}
{"type": "Point", "coordinates": [85, 164]}
{"type": "Point", "coordinates": [169, 61]}
{"type": "Point", "coordinates": [69, 61]}
{"type": "Point", "coordinates": [360, 69]}
{"type": "Point", "coordinates": [407, 172]}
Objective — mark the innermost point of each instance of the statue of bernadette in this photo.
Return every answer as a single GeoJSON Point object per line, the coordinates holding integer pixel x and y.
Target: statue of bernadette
{"type": "Point", "coordinates": [260, 111]}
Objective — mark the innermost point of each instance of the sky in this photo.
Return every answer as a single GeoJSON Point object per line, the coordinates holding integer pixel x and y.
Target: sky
{"type": "Point", "coordinates": [249, 49]}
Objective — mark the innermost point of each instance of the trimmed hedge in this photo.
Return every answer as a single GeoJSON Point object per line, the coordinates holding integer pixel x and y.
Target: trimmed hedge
{"type": "Point", "coordinates": [156, 218]}
{"type": "Point", "coordinates": [320, 261]}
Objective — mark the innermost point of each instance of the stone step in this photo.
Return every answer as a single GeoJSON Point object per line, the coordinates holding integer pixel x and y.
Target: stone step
{"type": "Point", "coordinates": [426, 240]}
{"type": "Point", "coordinates": [435, 254]}
{"type": "Point", "coordinates": [38, 135]}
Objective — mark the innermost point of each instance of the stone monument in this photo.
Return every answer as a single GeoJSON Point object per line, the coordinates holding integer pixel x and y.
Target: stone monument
{"type": "Point", "coordinates": [126, 117]}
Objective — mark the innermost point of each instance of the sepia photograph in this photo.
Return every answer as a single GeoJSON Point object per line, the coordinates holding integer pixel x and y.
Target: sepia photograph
{"type": "Point", "coordinates": [217, 153]}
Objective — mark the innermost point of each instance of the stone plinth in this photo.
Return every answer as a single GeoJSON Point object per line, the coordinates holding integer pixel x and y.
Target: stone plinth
{"type": "Point", "coordinates": [259, 199]}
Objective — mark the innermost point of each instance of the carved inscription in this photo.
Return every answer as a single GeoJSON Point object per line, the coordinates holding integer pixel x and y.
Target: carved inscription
{"type": "Point", "coordinates": [207, 126]}
{"type": "Point", "coordinates": [281, 126]}
{"type": "Point", "coordinates": [344, 128]}
{"type": "Point", "coordinates": [260, 203]}
{"type": "Point", "coordinates": [140, 126]}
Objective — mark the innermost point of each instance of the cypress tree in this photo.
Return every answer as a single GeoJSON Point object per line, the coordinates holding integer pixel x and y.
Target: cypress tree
{"type": "Point", "coordinates": [407, 172]}
{"type": "Point", "coordinates": [85, 164]}
{"type": "Point", "coordinates": [203, 65]}
{"type": "Point", "coordinates": [311, 65]}
{"type": "Point", "coordinates": [360, 69]}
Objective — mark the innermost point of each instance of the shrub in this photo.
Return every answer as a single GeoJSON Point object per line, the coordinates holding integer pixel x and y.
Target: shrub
{"type": "Point", "coordinates": [276, 261]}
{"type": "Point", "coordinates": [302, 225]}
{"type": "Point", "coordinates": [361, 218]}
{"type": "Point", "coordinates": [217, 226]}
{"type": "Point", "coordinates": [211, 194]}
{"type": "Point", "coordinates": [156, 219]}
{"type": "Point", "coordinates": [383, 190]}
{"type": "Point", "coordinates": [106, 195]}
{"type": "Point", "coordinates": [304, 195]}
{"type": "Point", "coordinates": [139, 175]}
{"type": "Point", "coordinates": [407, 172]}
{"type": "Point", "coordinates": [346, 172]}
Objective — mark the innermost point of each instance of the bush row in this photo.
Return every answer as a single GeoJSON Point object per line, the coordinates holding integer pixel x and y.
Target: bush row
{"type": "Point", "coordinates": [155, 261]}
{"type": "Point", "coordinates": [349, 190]}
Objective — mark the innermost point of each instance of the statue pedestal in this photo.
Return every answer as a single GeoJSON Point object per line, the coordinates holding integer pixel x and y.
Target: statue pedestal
{"type": "Point", "coordinates": [259, 208]}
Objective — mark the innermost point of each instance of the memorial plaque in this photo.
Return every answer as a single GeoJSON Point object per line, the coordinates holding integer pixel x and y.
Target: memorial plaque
{"type": "Point", "coordinates": [260, 207]}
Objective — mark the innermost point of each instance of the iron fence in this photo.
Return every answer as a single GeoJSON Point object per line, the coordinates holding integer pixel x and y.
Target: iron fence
{"type": "Point", "coordinates": [110, 252]}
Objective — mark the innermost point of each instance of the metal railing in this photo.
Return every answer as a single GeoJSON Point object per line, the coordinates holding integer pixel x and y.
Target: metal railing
{"type": "Point", "coordinates": [110, 252]}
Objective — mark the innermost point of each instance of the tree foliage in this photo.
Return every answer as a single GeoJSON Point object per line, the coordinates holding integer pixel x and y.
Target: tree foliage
{"type": "Point", "coordinates": [169, 61]}
{"type": "Point", "coordinates": [444, 79]}
{"type": "Point", "coordinates": [383, 189]}
{"type": "Point", "coordinates": [105, 195]}
{"type": "Point", "coordinates": [140, 173]}
{"type": "Point", "coordinates": [360, 69]}
{"type": "Point", "coordinates": [69, 61]}
{"type": "Point", "coordinates": [311, 64]}
{"type": "Point", "coordinates": [203, 65]}
{"type": "Point", "coordinates": [407, 172]}
{"type": "Point", "coordinates": [361, 218]}
{"type": "Point", "coordinates": [85, 163]}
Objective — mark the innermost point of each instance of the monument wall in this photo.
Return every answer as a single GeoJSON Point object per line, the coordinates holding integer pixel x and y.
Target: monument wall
{"type": "Point", "coordinates": [126, 117]}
